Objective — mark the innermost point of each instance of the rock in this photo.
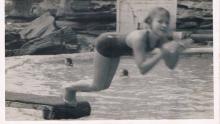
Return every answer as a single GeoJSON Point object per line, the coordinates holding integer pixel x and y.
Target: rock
{"type": "Point", "coordinates": [15, 26]}
{"type": "Point", "coordinates": [86, 42]}
{"type": "Point", "coordinates": [13, 52]}
{"type": "Point", "coordinates": [46, 5]}
{"type": "Point", "coordinates": [74, 25]}
{"type": "Point", "coordinates": [69, 7]}
{"type": "Point", "coordinates": [194, 14]}
{"type": "Point", "coordinates": [13, 42]}
{"type": "Point", "coordinates": [100, 5]}
{"type": "Point", "coordinates": [77, 9]}
{"type": "Point", "coordinates": [204, 5]}
{"type": "Point", "coordinates": [60, 41]}
{"type": "Point", "coordinates": [102, 16]}
{"type": "Point", "coordinates": [11, 36]}
{"type": "Point", "coordinates": [40, 27]}
{"type": "Point", "coordinates": [187, 25]}
{"type": "Point", "coordinates": [89, 28]}
{"type": "Point", "coordinates": [21, 8]}
{"type": "Point", "coordinates": [202, 38]}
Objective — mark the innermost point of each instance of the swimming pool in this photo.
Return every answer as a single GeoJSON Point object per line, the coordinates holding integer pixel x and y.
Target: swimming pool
{"type": "Point", "coordinates": [183, 93]}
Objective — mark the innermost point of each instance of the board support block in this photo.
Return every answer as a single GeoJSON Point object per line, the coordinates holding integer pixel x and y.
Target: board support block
{"type": "Point", "coordinates": [66, 112]}
{"type": "Point", "coordinates": [52, 107]}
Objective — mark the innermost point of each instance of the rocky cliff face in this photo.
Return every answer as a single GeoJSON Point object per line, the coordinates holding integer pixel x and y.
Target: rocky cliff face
{"type": "Point", "coordinates": [191, 13]}
{"type": "Point", "coordinates": [87, 19]}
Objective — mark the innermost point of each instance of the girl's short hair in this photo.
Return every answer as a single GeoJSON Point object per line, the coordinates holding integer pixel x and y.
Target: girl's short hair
{"type": "Point", "coordinates": [154, 12]}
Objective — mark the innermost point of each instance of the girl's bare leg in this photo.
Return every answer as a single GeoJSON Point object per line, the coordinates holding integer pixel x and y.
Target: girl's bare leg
{"type": "Point", "coordinates": [105, 69]}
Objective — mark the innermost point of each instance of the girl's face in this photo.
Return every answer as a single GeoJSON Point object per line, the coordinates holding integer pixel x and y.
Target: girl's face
{"type": "Point", "coordinates": [160, 25]}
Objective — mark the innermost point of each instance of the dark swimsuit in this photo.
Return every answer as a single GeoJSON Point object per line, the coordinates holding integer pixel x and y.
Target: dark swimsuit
{"type": "Point", "coordinates": [114, 45]}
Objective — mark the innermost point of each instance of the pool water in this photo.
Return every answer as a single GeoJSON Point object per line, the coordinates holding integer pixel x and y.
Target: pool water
{"type": "Point", "coordinates": [183, 93]}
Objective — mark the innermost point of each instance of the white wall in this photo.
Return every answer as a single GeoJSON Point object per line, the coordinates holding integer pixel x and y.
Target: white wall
{"type": "Point", "coordinates": [130, 12]}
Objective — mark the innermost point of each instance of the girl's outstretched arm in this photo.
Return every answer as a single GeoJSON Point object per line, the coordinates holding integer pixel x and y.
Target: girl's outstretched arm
{"type": "Point", "coordinates": [146, 64]}
{"type": "Point", "coordinates": [140, 55]}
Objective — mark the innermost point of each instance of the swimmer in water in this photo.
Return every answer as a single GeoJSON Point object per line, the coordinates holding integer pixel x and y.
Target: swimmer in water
{"type": "Point", "coordinates": [138, 43]}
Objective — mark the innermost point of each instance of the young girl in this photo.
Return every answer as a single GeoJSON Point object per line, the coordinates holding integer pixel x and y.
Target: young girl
{"type": "Point", "coordinates": [111, 46]}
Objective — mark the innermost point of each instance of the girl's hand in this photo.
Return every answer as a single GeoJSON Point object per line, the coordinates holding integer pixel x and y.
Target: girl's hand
{"type": "Point", "coordinates": [170, 47]}
{"type": "Point", "coordinates": [177, 46]}
{"type": "Point", "coordinates": [157, 51]}
{"type": "Point", "coordinates": [170, 54]}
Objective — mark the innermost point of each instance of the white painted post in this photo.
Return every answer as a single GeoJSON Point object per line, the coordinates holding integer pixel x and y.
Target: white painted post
{"type": "Point", "coordinates": [131, 13]}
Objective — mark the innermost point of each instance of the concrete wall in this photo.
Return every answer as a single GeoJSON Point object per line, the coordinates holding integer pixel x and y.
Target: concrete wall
{"type": "Point", "coordinates": [131, 13]}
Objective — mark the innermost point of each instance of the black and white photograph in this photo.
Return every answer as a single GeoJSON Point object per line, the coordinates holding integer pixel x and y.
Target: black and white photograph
{"type": "Point", "coordinates": [83, 60]}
